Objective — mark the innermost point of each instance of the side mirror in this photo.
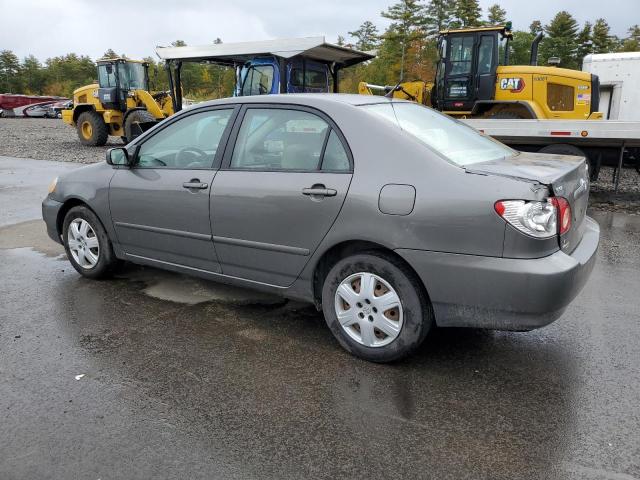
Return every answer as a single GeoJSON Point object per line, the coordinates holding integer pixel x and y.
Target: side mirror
{"type": "Point", "coordinates": [118, 157]}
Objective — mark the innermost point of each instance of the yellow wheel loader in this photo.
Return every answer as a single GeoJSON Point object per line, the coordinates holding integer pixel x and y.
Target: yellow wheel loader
{"type": "Point", "coordinates": [473, 80]}
{"type": "Point", "coordinates": [119, 104]}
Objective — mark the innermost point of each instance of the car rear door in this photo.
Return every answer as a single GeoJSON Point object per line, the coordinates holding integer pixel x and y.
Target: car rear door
{"type": "Point", "coordinates": [284, 179]}
{"type": "Point", "coordinates": [160, 206]}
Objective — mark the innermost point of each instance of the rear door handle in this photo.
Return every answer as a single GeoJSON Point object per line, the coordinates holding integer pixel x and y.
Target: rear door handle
{"type": "Point", "coordinates": [195, 184]}
{"type": "Point", "coordinates": [319, 192]}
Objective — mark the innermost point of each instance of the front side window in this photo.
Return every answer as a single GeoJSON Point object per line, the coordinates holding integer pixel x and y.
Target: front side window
{"type": "Point", "coordinates": [189, 143]}
{"type": "Point", "coordinates": [454, 140]}
{"type": "Point", "coordinates": [485, 55]}
{"type": "Point", "coordinates": [461, 55]}
{"type": "Point", "coordinates": [106, 79]}
{"type": "Point", "coordinates": [560, 97]}
{"type": "Point", "coordinates": [281, 139]}
{"type": "Point", "coordinates": [132, 76]}
{"type": "Point", "coordinates": [258, 80]}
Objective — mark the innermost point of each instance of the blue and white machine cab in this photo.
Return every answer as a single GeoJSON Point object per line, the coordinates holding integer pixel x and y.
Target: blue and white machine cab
{"type": "Point", "coordinates": [261, 76]}
{"type": "Point", "coordinates": [293, 65]}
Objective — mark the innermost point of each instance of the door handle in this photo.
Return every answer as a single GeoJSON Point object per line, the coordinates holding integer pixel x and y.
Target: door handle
{"type": "Point", "coordinates": [320, 191]}
{"type": "Point", "coordinates": [195, 183]}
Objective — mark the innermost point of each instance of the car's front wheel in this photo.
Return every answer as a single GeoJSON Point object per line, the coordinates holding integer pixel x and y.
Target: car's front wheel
{"type": "Point", "coordinates": [375, 307]}
{"type": "Point", "coordinates": [87, 244]}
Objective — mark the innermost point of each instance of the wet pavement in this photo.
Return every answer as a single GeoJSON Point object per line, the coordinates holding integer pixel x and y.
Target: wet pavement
{"type": "Point", "coordinates": [184, 379]}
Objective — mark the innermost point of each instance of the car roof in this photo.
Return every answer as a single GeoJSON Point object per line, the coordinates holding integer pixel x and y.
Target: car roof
{"type": "Point", "coordinates": [310, 99]}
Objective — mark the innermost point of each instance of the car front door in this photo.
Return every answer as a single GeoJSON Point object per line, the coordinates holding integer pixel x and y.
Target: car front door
{"type": "Point", "coordinates": [281, 188]}
{"type": "Point", "coordinates": [160, 206]}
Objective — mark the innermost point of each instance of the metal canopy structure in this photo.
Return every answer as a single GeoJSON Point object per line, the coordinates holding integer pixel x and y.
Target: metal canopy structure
{"type": "Point", "coordinates": [312, 48]}
{"type": "Point", "coordinates": [237, 54]}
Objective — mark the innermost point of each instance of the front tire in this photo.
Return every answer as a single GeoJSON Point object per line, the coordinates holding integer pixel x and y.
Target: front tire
{"type": "Point", "coordinates": [87, 244]}
{"type": "Point", "coordinates": [92, 130]}
{"type": "Point", "coordinates": [376, 307]}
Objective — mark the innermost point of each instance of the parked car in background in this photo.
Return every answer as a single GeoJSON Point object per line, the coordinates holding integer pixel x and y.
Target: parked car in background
{"type": "Point", "coordinates": [55, 109]}
{"type": "Point", "coordinates": [389, 216]}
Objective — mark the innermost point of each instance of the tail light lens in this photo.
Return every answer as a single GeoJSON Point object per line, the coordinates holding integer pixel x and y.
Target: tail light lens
{"type": "Point", "coordinates": [538, 219]}
{"type": "Point", "coordinates": [564, 213]}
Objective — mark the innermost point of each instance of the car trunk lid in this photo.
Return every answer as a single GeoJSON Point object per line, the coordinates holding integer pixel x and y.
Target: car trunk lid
{"type": "Point", "coordinates": [565, 176]}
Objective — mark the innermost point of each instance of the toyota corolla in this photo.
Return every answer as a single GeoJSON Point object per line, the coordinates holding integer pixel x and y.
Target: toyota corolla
{"type": "Point", "coordinates": [388, 216]}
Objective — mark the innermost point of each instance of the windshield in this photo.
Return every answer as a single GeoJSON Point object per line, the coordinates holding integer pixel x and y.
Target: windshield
{"type": "Point", "coordinates": [132, 76]}
{"type": "Point", "coordinates": [456, 141]}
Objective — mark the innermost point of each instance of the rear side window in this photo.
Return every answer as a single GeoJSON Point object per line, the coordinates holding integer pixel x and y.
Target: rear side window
{"type": "Point", "coordinates": [559, 97]}
{"type": "Point", "coordinates": [335, 157]}
{"type": "Point", "coordinates": [310, 78]}
{"type": "Point", "coordinates": [279, 139]}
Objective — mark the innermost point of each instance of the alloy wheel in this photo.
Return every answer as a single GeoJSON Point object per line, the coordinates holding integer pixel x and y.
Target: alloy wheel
{"type": "Point", "coordinates": [83, 243]}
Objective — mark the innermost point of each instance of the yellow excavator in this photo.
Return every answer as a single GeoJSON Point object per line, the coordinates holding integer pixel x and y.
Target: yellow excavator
{"type": "Point", "coordinates": [120, 104]}
{"type": "Point", "coordinates": [473, 80]}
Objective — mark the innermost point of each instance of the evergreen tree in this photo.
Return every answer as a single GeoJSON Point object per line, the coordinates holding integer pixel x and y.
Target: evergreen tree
{"type": "Point", "coordinates": [496, 15]}
{"type": "Point", "coordinates": [340, 40]}
{"type": "Point", "coordinates": [33, 75]}
{"type": "Point", "coordinates": [439, 15]}
{"type": "Point", "coordinates": [366, 36]}
{"type": "Point", "coordinates": [468, 13]}
{"type": "Point", "coordinates": [602, 40]}
{"type": "Point", "coordinates": [535, 27]}
{"type": "Point", "coordinates": [585, 44]}
{"type": "Point", "coordinates": [110, 54]}
{"type": "Point", "coordinates": [408, 24]}
{"type": "Point", "coordinates": [10, 80]}
{"type": "Point", "coordinates": [561, 41]}
{"type": "Point", "coordinates": [632, 42]}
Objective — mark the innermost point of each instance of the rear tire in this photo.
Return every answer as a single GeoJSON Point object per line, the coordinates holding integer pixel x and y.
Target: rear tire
{"type": "Point", "coordinates": [367, 328]}
{"type": "Point", "coordinates": [91, 128]}
{"type": "Point", "coordinates": [508, 112]}
{"type": "Point", "coordinates": [87, 244]}
{"type": "Point", "coordinates": [562, 149]}
{"type": "Point", "coordinates": [135, 117]}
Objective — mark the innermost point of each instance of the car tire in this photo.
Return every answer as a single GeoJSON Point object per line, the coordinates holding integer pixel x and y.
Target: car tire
{"type": "Point", "coordinates": [91, 128]}
{"type": "Point", "coordinates": [91, 258]}
{"type": "Point", "coordinates": [400, 333]}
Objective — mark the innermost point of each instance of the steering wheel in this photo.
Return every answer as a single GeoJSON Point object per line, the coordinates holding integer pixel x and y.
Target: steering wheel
{"type": "Point", "coordinates": [186, 156]}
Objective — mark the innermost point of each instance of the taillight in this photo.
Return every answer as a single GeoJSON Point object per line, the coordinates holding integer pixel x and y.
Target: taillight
{"type": "Point", "coordinates": [564, 213]}
{"type": "Point", "coordinates": [539, 219]}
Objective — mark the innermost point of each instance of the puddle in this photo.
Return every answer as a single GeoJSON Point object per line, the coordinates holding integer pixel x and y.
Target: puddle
{"type": "Point", "coordinates": [31, 234]}
{"type": "Point", "coordinates": [159, 284]}
{"type": "Point", "coordinates": [178, 288]}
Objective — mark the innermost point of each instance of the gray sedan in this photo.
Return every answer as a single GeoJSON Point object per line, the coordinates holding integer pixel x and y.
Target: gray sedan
{"type": "Point", "coordinates": [390, 217]}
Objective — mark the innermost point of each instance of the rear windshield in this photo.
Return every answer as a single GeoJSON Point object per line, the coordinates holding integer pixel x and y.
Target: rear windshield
{"type": "Point", "coordinates": [456, 141]}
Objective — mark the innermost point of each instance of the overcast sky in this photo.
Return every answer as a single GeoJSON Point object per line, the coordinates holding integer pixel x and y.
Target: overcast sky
{"type": "Point", "coordinates": [48, 28]}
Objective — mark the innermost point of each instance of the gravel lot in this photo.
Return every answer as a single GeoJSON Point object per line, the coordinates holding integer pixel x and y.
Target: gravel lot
{"type": "Point", "coordinates": [51, 139]}
{"type": "Point", "coordinates": [47, 139]}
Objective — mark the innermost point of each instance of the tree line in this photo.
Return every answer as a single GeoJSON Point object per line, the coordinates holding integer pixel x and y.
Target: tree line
{"type": "Point", "coordinates": [406, 49]}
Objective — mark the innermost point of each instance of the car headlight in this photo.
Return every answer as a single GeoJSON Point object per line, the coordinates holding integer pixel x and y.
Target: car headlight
{"type": "Point", "coordinates": [52, 185]}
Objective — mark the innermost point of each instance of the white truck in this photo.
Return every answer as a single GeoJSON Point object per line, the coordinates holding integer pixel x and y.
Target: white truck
{"type": "Point", "coordinates": [619, 75]}
{"type": "Point", "coordinates": [614, 141]}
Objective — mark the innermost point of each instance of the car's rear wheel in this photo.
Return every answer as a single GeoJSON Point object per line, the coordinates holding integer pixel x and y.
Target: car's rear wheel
{"type": "Point", "coordinates": [87, 244]}
{"type": "Point", "coordinates": [375, 307]}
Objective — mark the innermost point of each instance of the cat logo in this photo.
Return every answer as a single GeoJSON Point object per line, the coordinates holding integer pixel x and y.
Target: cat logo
{"type": "Point", "coordinates": [514, 84]}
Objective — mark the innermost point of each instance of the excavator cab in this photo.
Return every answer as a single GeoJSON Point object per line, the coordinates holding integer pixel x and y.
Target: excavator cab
{"type": "Point", "coordinates": [467, 67]}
